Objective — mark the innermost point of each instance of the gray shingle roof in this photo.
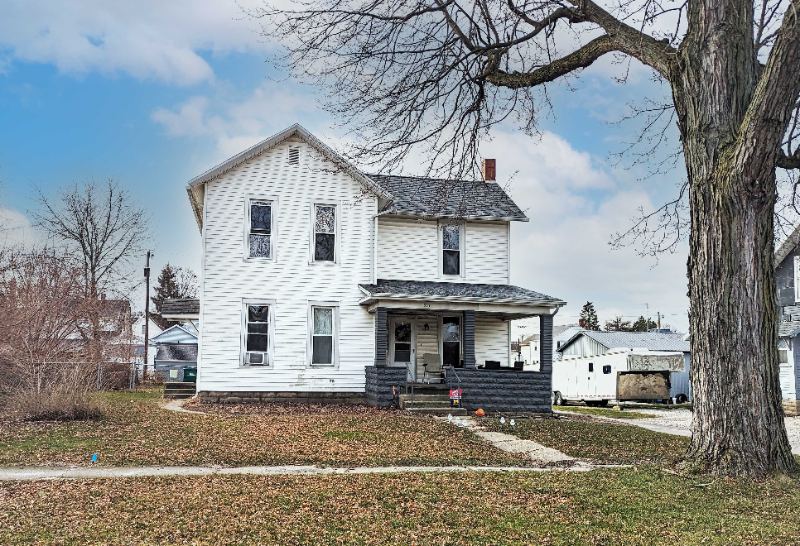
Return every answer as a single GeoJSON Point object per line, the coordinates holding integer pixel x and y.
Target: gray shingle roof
{"type": "Point", "coordinates": [184, 352]}
{"type": "Point", "coordinates": [787, 327]}
{"type": "Point", "coordinates": [447, 198]}
{"type": "Point", "coordinates": [455, 290]}
{"type": "Point", "coordinates": [653, 341]}
{"type": "Point", "coordinates": [181, 307]}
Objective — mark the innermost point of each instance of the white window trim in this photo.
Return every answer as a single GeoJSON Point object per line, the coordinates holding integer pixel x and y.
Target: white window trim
{"type": "Point", "coordinates": [270, 333]}
{"type": "Point", "coordinates": [312, 241]}
{"type": "Point", "coordinates": [460, 317]}
{"type": "Point", "coordinates": [462, 248]}
{"type": "Point", "coordinates": [273, 244]}
{"type": "Point", "coordinates": [797, 279]}
{"type": "Point", "coordinates": [310, 333]}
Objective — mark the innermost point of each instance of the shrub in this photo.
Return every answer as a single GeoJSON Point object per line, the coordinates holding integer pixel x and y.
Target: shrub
{"type": "Point", "coordinates": [55, 392]}
{"type": "Point", "coordinates": [54, 404]}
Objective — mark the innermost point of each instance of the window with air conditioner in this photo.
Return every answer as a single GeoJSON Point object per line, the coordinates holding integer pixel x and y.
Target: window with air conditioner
{"type": "Point", "coordinates": [257, 328]}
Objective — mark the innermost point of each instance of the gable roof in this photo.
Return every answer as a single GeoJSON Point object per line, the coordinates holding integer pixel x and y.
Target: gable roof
{"type": "Point", "coordinates": [169, 335]}
{"type": "Point", "coordinates": [195, 187]}
{"type": "Point", "coordinates": [790, 243]}
{"type": "Point", "coordinates": [653, 341]}
{"type": "Point", "coordinates": [467, 199]}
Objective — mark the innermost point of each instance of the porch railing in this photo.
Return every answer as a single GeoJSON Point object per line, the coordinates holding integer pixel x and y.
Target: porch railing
{"type": "Point", "coordinates": [409, 374]}
{"type": "Point", "coordinates": [455, 374]}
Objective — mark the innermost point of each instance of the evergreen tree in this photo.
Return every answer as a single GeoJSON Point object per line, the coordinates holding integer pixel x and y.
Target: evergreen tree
{"type": "Point", "coordinates": [588, 320]}
{"type": "Point", "coordinates": [644, 324]}
{"type": "Point", "coordinates": [167, 287]}
{"type": "Point", "coordinates": [173, 283]}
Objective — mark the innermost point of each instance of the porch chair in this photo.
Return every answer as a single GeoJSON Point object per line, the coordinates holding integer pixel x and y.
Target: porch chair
{"type": "Point", "coordinates": [433, 368]}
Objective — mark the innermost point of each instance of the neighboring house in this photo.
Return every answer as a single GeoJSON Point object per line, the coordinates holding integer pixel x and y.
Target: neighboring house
{"type": "Point", "coordinates": [321, 282]}
{"type": "Point", "coordinates": [176, 350]}
{"type": "Point", "coordinates": [137, 331]}
{"type": "Point", "coordinates": [115, 331]}
{"type": "Point", "coordinates": [591, 343]}
{"type": "Point", "coordinates": [530, 346]}
{"type": "Point", "coordinates": [787, 279]}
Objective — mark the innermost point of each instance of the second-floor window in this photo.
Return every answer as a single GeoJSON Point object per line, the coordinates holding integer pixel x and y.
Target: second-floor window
{"type": "Point", "coordinates": [260, 242]}
{"type": "Point", "coordinates": [324, 233]}
{"type": "Point", "coordinates": [451, 250]}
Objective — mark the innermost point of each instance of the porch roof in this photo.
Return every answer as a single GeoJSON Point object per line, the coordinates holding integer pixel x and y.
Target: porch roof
{"type": "Point", "coordinates": [458, 293]}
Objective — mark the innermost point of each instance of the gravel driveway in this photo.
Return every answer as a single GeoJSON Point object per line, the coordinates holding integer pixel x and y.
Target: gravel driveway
{"type": "Point", "coordinates": [679, 422]}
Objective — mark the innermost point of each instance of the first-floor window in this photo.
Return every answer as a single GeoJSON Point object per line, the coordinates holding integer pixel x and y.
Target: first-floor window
{"type": "Point", "coordinates": [257, 342]}
{"type": "Point", "coordinates": [783, 352]}
{"type": "Point", "coordinates": [323, 334]}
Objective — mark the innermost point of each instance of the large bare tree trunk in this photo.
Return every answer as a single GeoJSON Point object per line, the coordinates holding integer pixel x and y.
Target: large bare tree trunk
{"type": "Point", "coordinates": [737, 427]}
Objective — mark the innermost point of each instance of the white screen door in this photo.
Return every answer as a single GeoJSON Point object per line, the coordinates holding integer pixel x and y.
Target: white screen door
{"type": "Point", "coordinates": [402, 338]}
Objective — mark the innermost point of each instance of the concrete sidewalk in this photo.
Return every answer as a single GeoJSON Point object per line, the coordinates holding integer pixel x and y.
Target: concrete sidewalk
{"type": "Point", "coordinates": [94, 472]}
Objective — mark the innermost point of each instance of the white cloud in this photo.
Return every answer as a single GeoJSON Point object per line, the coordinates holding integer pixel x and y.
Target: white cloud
{"type": "Point", "coordinates": [574, 206]}
{"type": "Point", "coordinates": [268, 109]}
{"type": "Point", "coordinates": [145, 39]}
{"type": "Point", "coordinates": [15, 228]}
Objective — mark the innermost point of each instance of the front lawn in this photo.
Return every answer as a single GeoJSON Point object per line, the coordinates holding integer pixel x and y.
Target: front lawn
{"type": "Point", "coordinates": [596, 440]}
{"type": "Point", "coordinates": [137, 431]}
{"type": "Point", "coordinates": [611, 506]}
{"type": "Point", "coordinates": [604, 412]}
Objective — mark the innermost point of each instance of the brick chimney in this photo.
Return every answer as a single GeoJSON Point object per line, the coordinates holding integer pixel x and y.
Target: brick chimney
{"type": "Point", "coordinates": [489, 169]}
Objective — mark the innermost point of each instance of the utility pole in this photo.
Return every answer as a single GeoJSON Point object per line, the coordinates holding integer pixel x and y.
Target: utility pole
{"type": "Point", "coordinates": [146, 313]}
{"type": "Point", "coordinates": [659, 322]}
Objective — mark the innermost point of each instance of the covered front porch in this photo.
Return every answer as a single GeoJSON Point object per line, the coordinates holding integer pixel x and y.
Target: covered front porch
{"type": "Point", "coordinates": [458, 335]}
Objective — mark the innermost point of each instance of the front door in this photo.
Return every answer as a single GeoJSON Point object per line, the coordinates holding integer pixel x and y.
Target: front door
{"type": "Point", "coordinates": [402, 344]}
{"type": "Point", "coordinates": [451, 341]}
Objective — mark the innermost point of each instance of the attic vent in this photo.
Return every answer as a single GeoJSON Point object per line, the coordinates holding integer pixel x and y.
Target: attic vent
{"type": "Point", "coordinates": [294, 155]}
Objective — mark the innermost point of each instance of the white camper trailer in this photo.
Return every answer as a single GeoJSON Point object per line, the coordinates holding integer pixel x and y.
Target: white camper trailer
{"type": "Point", "coordinates": [620, 374]}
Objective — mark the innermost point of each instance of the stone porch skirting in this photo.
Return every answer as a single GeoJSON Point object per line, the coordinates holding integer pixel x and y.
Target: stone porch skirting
{"type": "Point", "coordinates": [262, 397]}
{"type": "Point", "coordinates": [791, 408]}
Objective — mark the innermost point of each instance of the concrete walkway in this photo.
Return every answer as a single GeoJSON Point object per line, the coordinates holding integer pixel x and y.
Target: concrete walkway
{"type": "Point", "coordinates": [511, 444]}
{"type": "Point", "coordinates": [93, 472]}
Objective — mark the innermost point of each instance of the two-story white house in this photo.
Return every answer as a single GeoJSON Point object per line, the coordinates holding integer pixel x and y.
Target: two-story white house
{"type": "Point", "coordinates": [320, 282]}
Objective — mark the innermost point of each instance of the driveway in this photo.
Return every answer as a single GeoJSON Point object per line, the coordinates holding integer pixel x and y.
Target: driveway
{"type": "Point", "coordinates": [679, 422]}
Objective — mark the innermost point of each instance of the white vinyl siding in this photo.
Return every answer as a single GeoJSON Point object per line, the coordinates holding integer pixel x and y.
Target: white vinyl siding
{"type": "Point", "coordinates": [492, 340]}
{"type": "Point", "coordinates": [409, 249]}
{"type": "Point", "coordinates": [290, 280]}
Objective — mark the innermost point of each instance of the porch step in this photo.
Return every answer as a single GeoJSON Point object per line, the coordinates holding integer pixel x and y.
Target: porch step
{"type": "Point", "coordinates": [438, 411]}
{"type": "Point", "coordinates": [179, 389]}
{"type": "Point", "coordinates": [430, 404]}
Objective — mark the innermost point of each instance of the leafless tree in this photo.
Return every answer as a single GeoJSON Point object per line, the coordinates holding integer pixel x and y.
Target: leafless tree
{"type": "Point", "coordinates": [441, 73]}
{"type": "Point", "coordinates": [106, 229]}
{"type": "Point", "coordinates": [40, 300]}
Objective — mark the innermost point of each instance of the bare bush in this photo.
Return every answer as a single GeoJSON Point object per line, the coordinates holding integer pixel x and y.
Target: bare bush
{"type": "Point", "coordinates": [55, 392]}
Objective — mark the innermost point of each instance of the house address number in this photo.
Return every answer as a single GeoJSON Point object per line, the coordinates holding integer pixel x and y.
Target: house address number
{"type": "Point", "coordinates": [426, 304]}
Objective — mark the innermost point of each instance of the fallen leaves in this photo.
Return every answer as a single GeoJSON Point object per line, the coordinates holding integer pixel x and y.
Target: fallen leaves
{"type": "Point", "coordinates": [619, 506]}
{"type": "Point", "coordinates": [137, 431]}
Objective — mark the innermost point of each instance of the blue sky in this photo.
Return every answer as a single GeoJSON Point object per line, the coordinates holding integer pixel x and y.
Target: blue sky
{"type": "Point", "coordinates": [154, 95]}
